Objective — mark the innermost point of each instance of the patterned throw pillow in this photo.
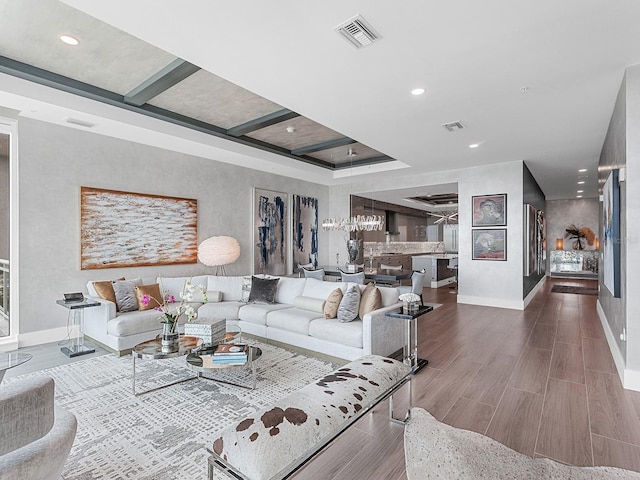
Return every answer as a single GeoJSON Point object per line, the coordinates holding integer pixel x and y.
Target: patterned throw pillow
{"type": "Point", "coordinates": [246, 288]}
{"type": "Point", "coordinates": [263, 290]}
{"type": "Point", "coordinates": [348, 309]}
{"type": "Point", "coordinates": [152, 291]}
{"type": "Point", "coordinates": [332, 304]}
{"type": "Point", "coordinates": [371, 300]}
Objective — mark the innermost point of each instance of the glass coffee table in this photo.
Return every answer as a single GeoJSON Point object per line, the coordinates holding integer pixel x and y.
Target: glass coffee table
{"type": "Point", "coordinates": [12, 359]}
{"type": "Point", "coordinates": [201, 361]}
{"type": "Point", "coordinates": [154, 350]}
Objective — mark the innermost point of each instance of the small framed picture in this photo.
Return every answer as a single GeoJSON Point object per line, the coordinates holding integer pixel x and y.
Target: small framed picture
{"type": "Point", "coordinates": [489, 244]}
{"type": "Point", "coordinates": [489, 210]}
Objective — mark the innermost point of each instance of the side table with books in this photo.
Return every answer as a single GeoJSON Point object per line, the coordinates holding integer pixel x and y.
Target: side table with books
{"type": "Point", "coordinates": [222, 357]}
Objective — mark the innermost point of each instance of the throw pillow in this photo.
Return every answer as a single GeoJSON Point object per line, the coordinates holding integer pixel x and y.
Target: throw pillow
{"type": "Point", "coordinates": [332, 304]}
{"type": "Point", "coordinates": [126, 295]}
{"type": "Point", "coordinates": [246, 288]}
{"type": "Point", "coordinates": [105, 291]}
{"type": "Point", "coordinates": [152, 292]}
{"type": "Point", "coordinates": [263, 290]}
{"type": "Point", "coordinates": [214, 296]}
{"type": "Point", "coordinates": [348, 309]}
{"type": "Point", "coordinates": [371, 300]}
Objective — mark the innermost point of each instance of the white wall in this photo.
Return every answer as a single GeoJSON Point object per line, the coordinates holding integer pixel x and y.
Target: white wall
{"type": "Point", "coordinates": [56, 161]}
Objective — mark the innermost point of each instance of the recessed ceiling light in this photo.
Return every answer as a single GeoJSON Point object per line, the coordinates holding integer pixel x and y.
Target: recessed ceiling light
{"type": "Point", "coordinates": [578, 196]}
{"type": "Point", "coordinates": [69, 40]}
{"type": "Point", "coordinates": [580, 191]}
{"type": "Point", "coordinates": [474, 145]}
{"type": "Point", "coordinates": [582, 170]}
{"type": "Point", "coordinates": [417, 91]}
{"type": "Point", "coordinates": [581, 182]}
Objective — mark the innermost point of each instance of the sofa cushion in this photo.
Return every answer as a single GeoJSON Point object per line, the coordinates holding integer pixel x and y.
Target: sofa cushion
{"type": "Point", "coordinates": [308, 303]}
{"type": "Point", "coordinates": [370, 300]}
{"type": "Point", "coordinates": [148, 296]}
{"type": "Point", "coordinates": [263, 290]}
{"type": "Point", "coordinates": [257, 312]}
{"type": "Point", "coordinates": [292, 320]}
{"type": "Point", "coordinates": [289, 289]}
{"type": "Point", "coordinates": [130, 323]}
{"type": "Point", "coordinates": [125, 294]}
{"type": "Point", "coordinates": [320, 289]}
{"type": "Point", "coordinates": [229, 310]}
{"type": "Point", "coordinates": [173, 286]}
{"type": "Point", "coordinates": [349, 305]}
{"type": "Point", "coordinates": [231, 287]}
{"type": "Point", "coordinates": [332, 330]}
{"type": "Point", "coordinates": [214, 296]}
{"type": "Point", "coordinates": [389, 295]}
{"type": "Point", "coordinates": [332, 304]}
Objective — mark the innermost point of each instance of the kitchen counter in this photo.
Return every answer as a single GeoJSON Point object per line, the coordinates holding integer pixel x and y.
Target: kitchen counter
{"type": "Point", "coordinates": [436, 266]}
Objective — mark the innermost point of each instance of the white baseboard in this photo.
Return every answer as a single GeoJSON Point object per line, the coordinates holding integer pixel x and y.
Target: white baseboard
{"type": "Point", "coordinates": [630, 378]}
{"type": "Point", "coordinates": [491, 302]}
{"type": "Point", "coordinates": [44, 336]}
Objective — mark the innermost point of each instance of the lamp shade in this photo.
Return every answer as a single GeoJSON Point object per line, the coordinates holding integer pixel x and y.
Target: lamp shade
{"type": "Point", "coordinates": [559, 244]}
{"type": "Point", "coordinates": [216, 251]}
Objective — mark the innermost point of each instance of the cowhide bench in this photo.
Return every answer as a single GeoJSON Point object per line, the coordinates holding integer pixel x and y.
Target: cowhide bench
{"type": "Point", "coordinates": [275, 442]}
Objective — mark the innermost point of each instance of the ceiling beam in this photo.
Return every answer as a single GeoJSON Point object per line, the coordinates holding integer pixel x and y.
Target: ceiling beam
{"type": "Point", "coordinates": [161, 81]}
{"type": "Point", "coordinates": [338, 142]}
{"type": "Point", "coordinates": [262, 122]}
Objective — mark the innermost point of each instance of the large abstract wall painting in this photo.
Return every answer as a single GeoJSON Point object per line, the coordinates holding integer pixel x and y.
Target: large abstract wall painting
{"type": "Point", "coordinates": [530, 230]}
{"type": "Point", "coordinates": [611, 233]}
{"type": "Point", "coordinates": [122, 229]}
{"type": "Point", "coordinates": [541, 242]}
{"type": "Point", "coordinates": [305, 230]}
{"type": "Point", "coordinates": [270, 232]}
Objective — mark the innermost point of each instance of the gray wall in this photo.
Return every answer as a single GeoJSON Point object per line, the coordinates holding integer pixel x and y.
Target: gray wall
{"type": "Point", "coordinates": [581, 212]}
{"type": "Point", "coordinates": [532, 195]}
{"type": "Point", "coordinates": [613, 156]}
{"type": "Point", "coordinates": [56, 161]}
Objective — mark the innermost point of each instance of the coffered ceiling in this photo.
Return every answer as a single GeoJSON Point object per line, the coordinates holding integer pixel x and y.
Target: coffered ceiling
{"type": "Point", "coordinates": [532, 81]}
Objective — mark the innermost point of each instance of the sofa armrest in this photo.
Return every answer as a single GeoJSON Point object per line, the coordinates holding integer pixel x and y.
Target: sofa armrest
{"type": "Point", "coordinates": [382, 335]}
{"type": "Point", "coordinates": [96, 318]}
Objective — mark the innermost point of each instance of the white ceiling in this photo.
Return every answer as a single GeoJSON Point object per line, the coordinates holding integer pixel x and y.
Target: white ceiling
{"type": "Point", "coordinates": [473, 58]}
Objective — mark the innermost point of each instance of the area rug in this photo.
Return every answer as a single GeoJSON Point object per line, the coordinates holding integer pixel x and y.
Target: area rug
{"type": "Point", "coordinates": [163, 435]}
{"type": "Point", "coordinates": [573, 289]}
{"type": "Point", "coordinates": [435, 450]}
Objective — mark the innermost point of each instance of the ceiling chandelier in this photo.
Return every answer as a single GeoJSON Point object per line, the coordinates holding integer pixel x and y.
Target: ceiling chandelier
{"type": "Point", "coordinates": [446, 217]}
{"type": "Point", "coordinates": [357, 223]}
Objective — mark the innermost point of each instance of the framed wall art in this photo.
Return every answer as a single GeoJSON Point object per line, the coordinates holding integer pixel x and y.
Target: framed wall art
{"type": "Point", "coordinates": [530, 239]}
{"type": "Point", "coordinates": [489, 244]}
{"type": "Point", "coordinates": [611, 233]}
{"type": "Point", "coordinates": [489, 210]}
{"type": "Point", "coordinates": [124, 229]}
{"type": "Point", "coordinates": [271, 231]}
{"type": "Point", "coordinates": [305, 230]}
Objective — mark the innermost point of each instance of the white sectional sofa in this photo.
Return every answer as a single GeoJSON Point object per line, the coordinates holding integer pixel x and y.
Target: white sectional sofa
{"type": "Point", "coordinates": [294, 319]}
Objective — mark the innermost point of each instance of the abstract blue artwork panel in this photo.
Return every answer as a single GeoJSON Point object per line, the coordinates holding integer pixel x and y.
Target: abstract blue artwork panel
{"type": "Point", "coordinates": [305, 231]}
{"type": "Point", "coordinates": [271, 230]}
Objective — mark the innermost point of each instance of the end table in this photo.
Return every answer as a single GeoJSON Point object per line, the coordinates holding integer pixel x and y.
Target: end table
{"type": "Point", "coordinates": [410, 349]}
{"type": "Point", "coordinates": [78, 347]}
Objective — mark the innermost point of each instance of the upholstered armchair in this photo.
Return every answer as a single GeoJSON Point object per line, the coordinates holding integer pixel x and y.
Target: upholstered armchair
{"type": "Point", "coordinates": [35, 436]}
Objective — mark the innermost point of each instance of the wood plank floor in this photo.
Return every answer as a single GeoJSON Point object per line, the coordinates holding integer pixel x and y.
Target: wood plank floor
{"type": "Point", "coordinates": [541, 381]}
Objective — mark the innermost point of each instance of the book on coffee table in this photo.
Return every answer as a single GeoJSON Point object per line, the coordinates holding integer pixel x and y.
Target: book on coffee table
{"type": "Point", "coordinates": [231, 350]}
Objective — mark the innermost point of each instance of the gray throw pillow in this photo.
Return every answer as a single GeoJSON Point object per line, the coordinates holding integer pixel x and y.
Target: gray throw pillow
{"type": "Point", "coordinates": [263, 290]}
{"type": "Point", "coordinates": [349, 305]}
{"type": "Point", "coordinates": [126, 295]}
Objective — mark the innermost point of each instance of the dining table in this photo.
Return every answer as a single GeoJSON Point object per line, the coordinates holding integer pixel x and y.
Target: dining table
{"type": "Point", "coordinates": [375, 274]}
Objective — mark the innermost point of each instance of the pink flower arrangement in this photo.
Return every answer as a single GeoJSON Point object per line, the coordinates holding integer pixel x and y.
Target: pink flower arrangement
{"type": "Point", "coordinates": [170, 315]}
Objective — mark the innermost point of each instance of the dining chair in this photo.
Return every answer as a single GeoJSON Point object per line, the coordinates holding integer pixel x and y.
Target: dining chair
{"type": "Point", "coordinates": [417, 284]}
{"type": "Point", "coordinates": [352, 277]}
{"type": "Point", "coordinates": [318, 274]}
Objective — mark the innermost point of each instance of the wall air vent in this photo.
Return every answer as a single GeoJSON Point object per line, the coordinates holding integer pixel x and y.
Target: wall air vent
{"type": "Point", "coordinates": [81, 123]}
{"type": "Point", "coordinates": [358, 32]}
{"type": "Point", "coordinates": [453, 126]}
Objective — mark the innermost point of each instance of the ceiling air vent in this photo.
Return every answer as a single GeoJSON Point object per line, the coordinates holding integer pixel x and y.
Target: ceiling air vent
{"type": "Point", "coordinates": [453, 126]}
{"type": "Point", "coordinates": [358, 32]}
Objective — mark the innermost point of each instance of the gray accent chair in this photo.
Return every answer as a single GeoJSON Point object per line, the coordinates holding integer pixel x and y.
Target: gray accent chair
{"type": "Point", "coordinates": [35, 435]}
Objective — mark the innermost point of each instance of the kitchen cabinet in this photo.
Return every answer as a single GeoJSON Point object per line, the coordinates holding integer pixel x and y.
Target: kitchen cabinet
{"type": "Point", "coordinates": [437, 269]}
{"type": "Point", "coordinates": [450, 233]}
